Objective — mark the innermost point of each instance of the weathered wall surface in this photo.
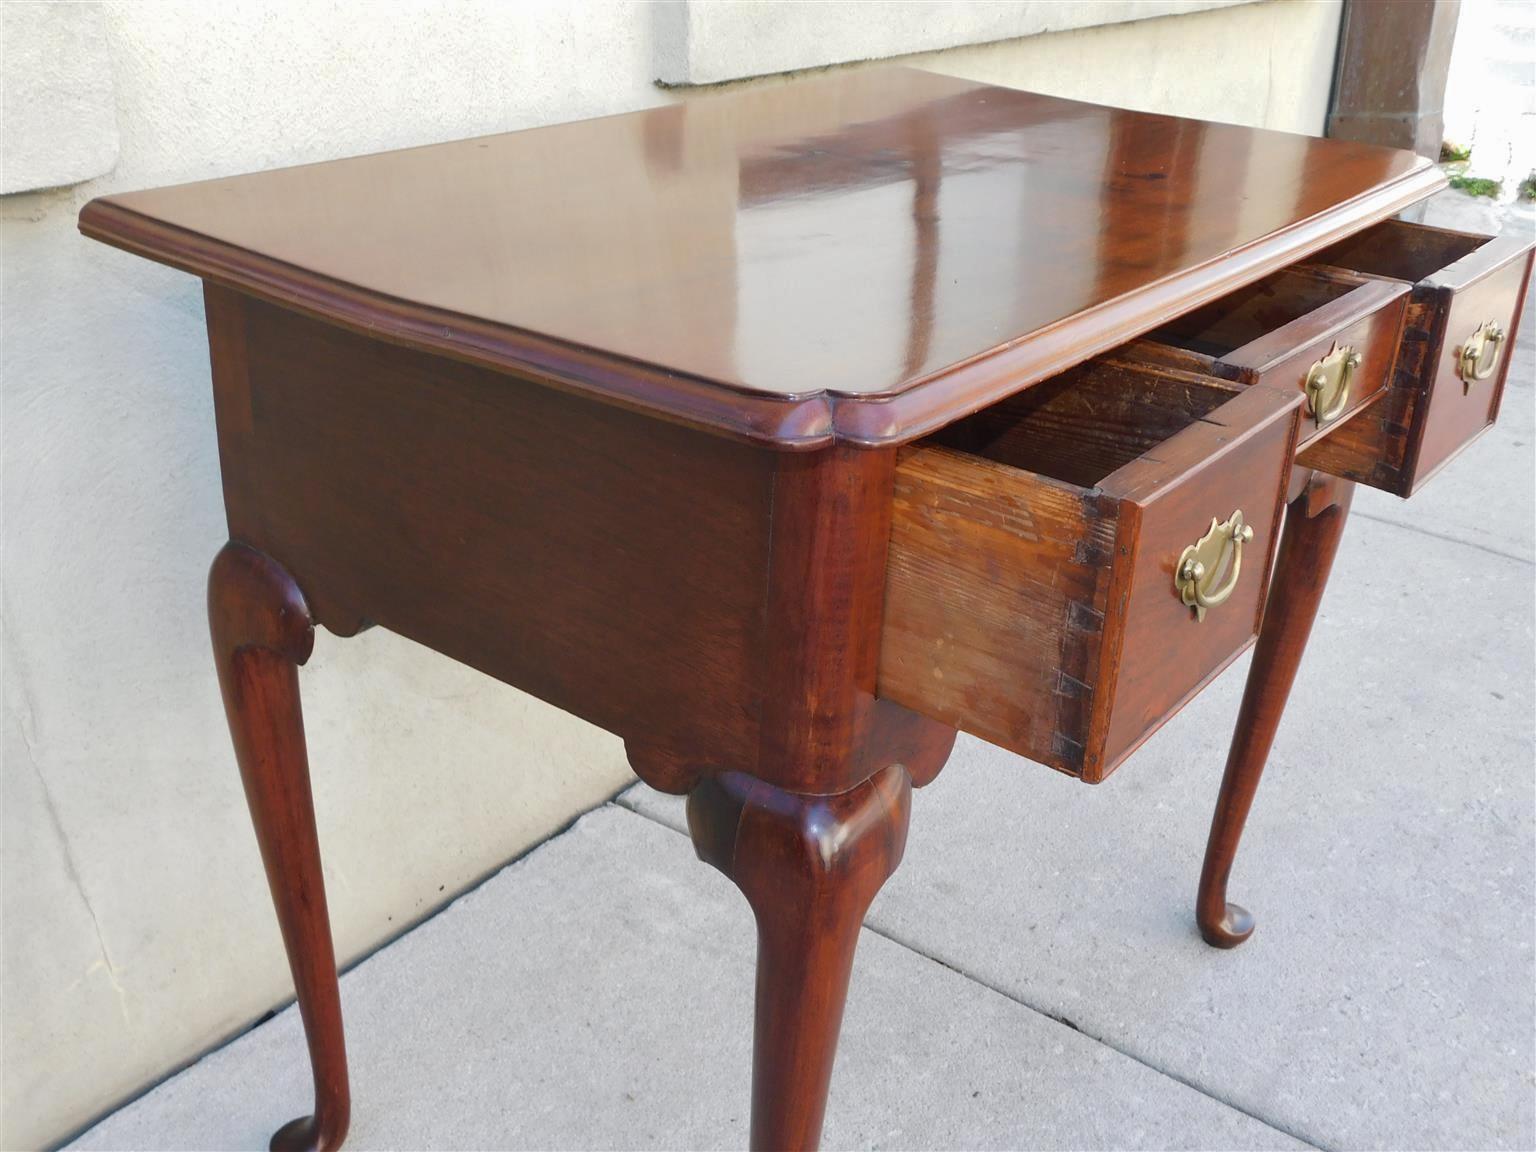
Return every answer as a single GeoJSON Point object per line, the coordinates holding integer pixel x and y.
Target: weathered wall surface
{"type": "Point", "coordinates": [137, 925]}
{"type": "Point", "coordinates": [706, 42]}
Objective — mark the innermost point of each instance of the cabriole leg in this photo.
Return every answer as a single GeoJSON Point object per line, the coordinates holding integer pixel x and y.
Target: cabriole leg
{"type": "Point", "coordinates": [809, 866]}
{"type": "Point", "coordinates": [1314, 522]}
{"type": "Point", "coordinates": [262, 632]}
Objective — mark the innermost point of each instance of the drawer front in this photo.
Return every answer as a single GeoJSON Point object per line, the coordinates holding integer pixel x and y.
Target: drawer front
{"type": "Point", "coordinates": [1161, 651]}
{"type": "Point", "coordinates": [1046, 617]}
{"type": "Point", "coordinates": [1329, 334]}
{"type": "Point", "coordinates": [1339, 358]}
{"type": "Point", "coordinates": [1461, 400]}
{"type": "Point", "coordinates": [1461, 284]}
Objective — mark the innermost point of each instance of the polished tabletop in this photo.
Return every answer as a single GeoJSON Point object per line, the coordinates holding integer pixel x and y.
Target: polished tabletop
{"type": "Point", "coordinates": [760, 260]}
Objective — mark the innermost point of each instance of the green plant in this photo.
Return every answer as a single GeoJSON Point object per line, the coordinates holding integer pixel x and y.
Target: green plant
{"type": "Point", "coordinates": [1454, 153]}
{"type": "Point", "coordinates": [1477, 186]}
{"type": "Point", "coordinates": [1527, 188]}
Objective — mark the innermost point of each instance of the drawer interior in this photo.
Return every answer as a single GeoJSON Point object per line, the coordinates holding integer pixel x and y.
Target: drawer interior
{"type": "Point", "coordinates": [1091, 421]}
{"type": "Point", "coordinates": [1242, 317]}
{"type": "Point", "coordinates": [1400, 250]}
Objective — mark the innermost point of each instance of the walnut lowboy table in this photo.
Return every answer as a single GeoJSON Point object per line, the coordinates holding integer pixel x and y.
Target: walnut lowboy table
{"type": "Point", "coordinates": [786, 432]}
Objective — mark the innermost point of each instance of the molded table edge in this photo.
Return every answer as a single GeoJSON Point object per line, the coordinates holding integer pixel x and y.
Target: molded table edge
{"type": "Point", "coordinates": [784, 422]}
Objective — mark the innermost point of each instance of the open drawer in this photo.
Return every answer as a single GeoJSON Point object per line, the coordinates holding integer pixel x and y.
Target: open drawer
{"type": "Point", "coordinates": [1448, 379]}
{"type": "Point", "coordinates": [1329, 334]}
{"type": "Point", "coordinates": [1070, 566]}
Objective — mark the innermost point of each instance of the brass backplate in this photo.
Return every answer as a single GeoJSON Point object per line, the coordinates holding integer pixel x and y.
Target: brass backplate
{"type": "Point", "coordinates": [1214, 559]}
{"type": "Point", "coordinates": [1480, 354]}
{"type": "Point", "coordinates": [1327, 383]}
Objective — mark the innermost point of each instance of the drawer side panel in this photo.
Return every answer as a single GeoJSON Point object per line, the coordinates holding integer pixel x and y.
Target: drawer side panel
{"type": "Point", "coordinates": [995, 598]}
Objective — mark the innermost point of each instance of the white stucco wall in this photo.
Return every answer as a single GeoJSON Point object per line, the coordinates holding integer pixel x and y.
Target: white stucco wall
{"type": "Point", "coordinates": [137, 930]}
{"type": "Point", "coordinates": [60, 114]}
{"type": "Point", "coordinates": [713, 41]}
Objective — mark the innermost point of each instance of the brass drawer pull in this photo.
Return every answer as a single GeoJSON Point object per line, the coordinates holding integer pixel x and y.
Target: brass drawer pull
{"type": "Point", "coordinates": [1327, 384]}
{"type": "Point", "coordinates": [1203, 563]}
{"type": "Point", "coordinates": [1480, 354]}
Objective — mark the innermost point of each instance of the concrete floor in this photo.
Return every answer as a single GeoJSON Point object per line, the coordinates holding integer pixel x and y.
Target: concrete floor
{"type": "Point", "coordinates": [1031, 977]}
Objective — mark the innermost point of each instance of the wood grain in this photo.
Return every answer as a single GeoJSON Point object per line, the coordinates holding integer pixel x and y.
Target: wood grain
{"type": "Point", "coordinates": [1368, 320]}
{"type": "Point", "coordinates": [1159, 655]}
{"type": "Point", "coordinates": [1084, 424]}
{"type": "Point", "coordinates": [1274, 331]}
{"type": "Point", "coordinates": [1314, 524]}
{"type": "Point", "coordinates": [809, 867]}
{"type": "Point", "coordinates": [1456, 413]}
{"type": "Point", "coordinates": [1256, 311]}
{"type": "Point", "coordinates": [996, 593]}
{"type": "Point", "coordinates": [1428, 415]}
{"type": "Point", "coordinates": [1042, 614]}
{"type": "Point", "coordinates": [611, 565]}
{"type": "Point", "coordinates": [1402, 250]}
{"type": "Point", "coordinates": [262, 632]}
{"type": "Point", "coordinates": [677, 261]}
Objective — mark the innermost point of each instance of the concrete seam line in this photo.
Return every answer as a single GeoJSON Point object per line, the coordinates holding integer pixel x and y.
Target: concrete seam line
{"type": "Point", "coordinates": [1448, 539]}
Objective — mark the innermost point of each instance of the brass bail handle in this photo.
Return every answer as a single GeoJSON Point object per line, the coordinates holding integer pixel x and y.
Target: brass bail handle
{"type": "Point", "coordinates": [1200, 565]}
{"type": "Point", "coordinates": [1480, 354]}
{"type": "Point", "coordinates": [1327, 383]}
